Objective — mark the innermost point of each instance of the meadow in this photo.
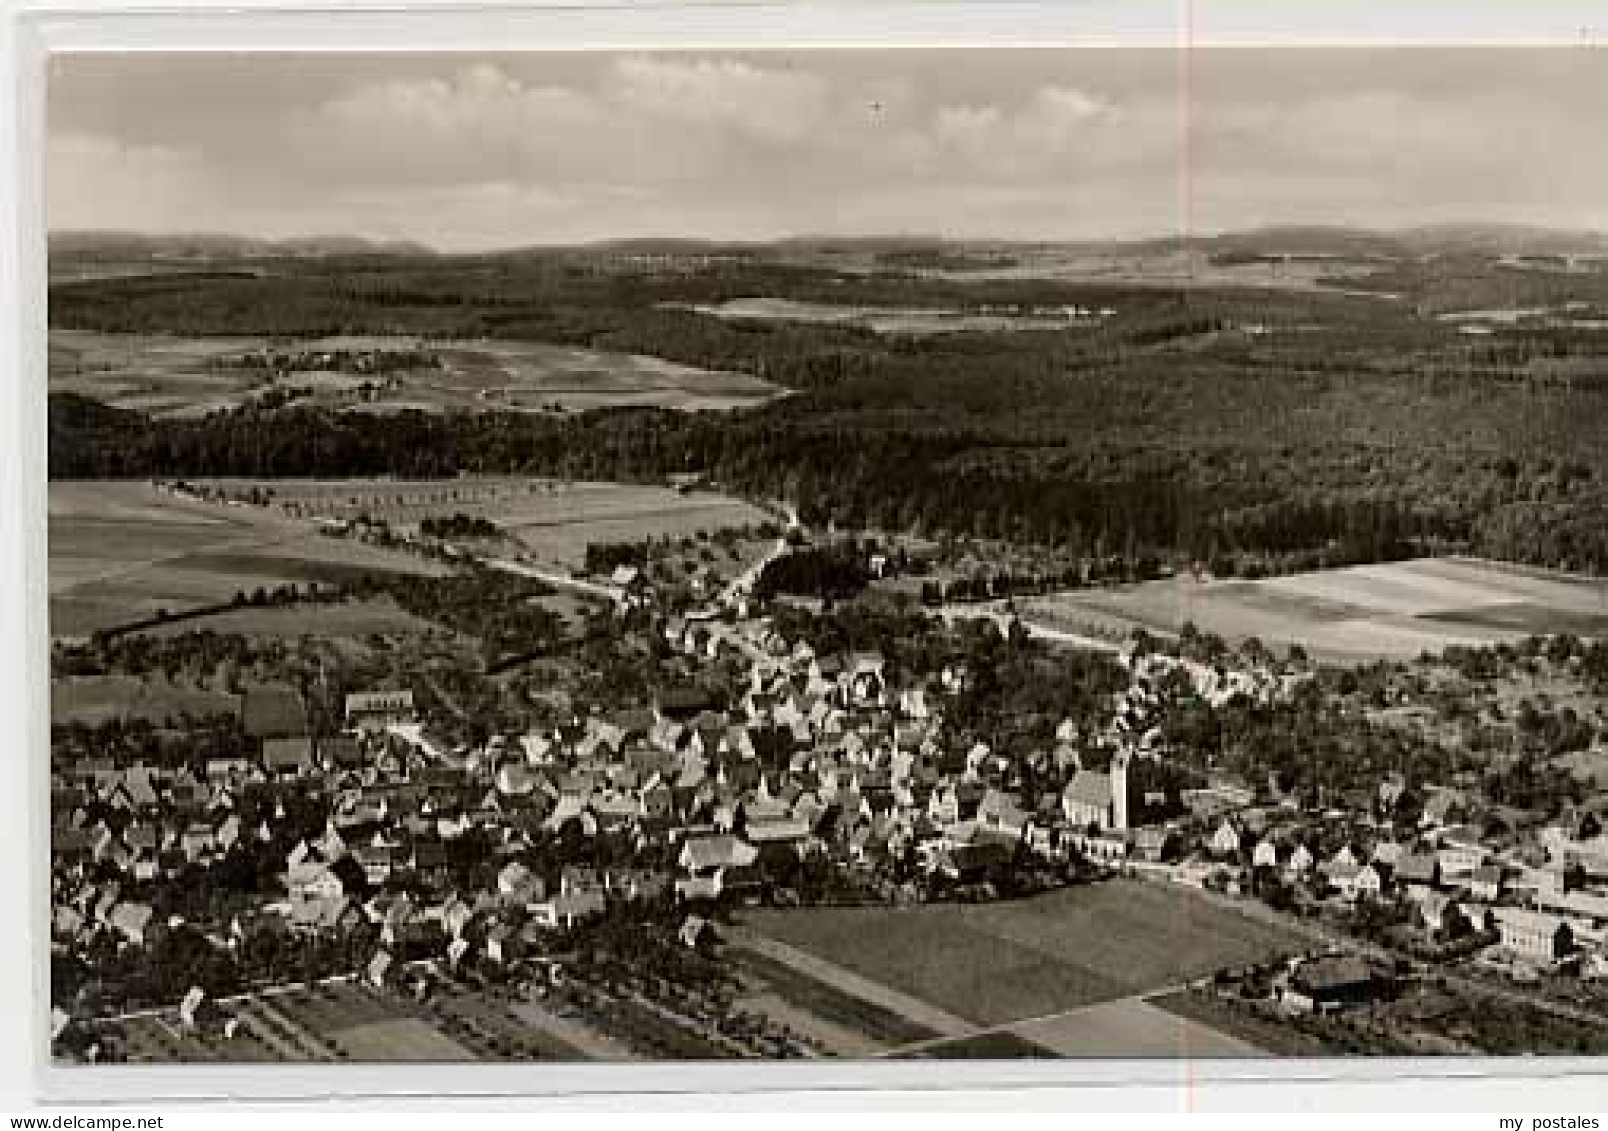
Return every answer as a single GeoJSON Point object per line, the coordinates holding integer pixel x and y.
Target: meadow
{"type": "Point", "coordinates": [121, 552]}
{"type": "Point", "coordinates": [1004, 964]}
{"type": "Point", "coordinates": [533, 376]}
{"type": "Point", "coordinates": [914, 322]}
{"type": "Point", "coordinates": [185, 377]}
{"type": "Point", "coordinates": [1394, 610]}
{"type": "Point", "coordinates": [550, 520]}
{"type": "Point", "coordinates": [95, 699]}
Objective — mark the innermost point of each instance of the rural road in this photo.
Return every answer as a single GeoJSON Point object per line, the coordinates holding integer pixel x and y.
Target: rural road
{"type": "Point", "coordinates": [556, 577]}
{"type": "Point", "coordinates": [996, 612]}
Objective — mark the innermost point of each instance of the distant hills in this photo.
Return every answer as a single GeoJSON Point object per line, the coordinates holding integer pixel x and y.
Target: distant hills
{"type": "Point", "coordinates": [208, 246]}
{"type": "Point", "coordinates": [1432, 239]}
{"type": "Point", "coordinates": [1340, 241]}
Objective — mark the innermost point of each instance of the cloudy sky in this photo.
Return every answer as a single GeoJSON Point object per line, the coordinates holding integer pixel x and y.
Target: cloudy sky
{"type": "Point", "coordinates": [470, 152]}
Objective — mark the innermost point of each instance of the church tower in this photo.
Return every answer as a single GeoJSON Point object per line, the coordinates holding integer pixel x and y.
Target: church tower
{"type": "Point", "coordinates": [1119, 791]}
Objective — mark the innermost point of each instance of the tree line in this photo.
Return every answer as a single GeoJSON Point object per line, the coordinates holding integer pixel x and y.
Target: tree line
{"type": "Point", "coordinates": [1345, 430]}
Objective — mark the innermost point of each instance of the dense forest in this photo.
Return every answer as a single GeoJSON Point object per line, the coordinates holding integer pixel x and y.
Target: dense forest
{"type": "Point", "coordinates": [1267, 430]}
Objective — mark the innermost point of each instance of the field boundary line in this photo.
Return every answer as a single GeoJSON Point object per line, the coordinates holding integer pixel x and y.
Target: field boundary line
{"type": "Point", "coordinates": [947, 1025]}
{"type": "Point", "coordinates": [1012, 1026]}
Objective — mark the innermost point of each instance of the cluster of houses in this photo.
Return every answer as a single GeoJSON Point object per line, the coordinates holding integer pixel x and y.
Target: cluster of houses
{"type": "Point", "coordinates": [835, 758]}
{"type": "Point", "coordinates": [822, 756]}
{"type": "Point", "coordinates": [1537, 911]}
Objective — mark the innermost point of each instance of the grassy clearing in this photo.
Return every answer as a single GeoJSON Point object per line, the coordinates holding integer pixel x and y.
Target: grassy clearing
{"type": "Point", "coordinates": [1001, 1045]}
{"type": "Point", "coordinates": [120, 552]}
{"type": "Point", "coordinates": [893, 321]}
{"type": "Point", "coordinates": [551, 520]}
{"type": "Point", "coordinates": [832, 1004]}
{"type": "Point", "coordinates": [1002, 962]}
{"type": "Point", "coordinates": [1240, 1022]}
{"type": "Point", "coordinates": [353, 620]}
{"type": "Point", "coordinates": [400, 1039]}
{"type": "Point", "coordinates": [1392, 611]}
{"type": "Point", "coordinates": [152, 373]}
{"type": "Point", "coordinates": [94, 699]}
{"type": "Point", "coordinates": [1131, 1028]}
{"type": "Point", "coordinates": [180, 377]}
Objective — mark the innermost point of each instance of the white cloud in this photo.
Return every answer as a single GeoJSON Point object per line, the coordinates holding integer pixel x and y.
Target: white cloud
{"type": "Point", "coordinates": [507, 152]}
{"type": "Point", "coordinates": [771, 106]}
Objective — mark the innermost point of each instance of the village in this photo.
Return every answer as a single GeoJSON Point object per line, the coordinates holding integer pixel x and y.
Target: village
{"type": "Point", "coordinates": [391, 852]}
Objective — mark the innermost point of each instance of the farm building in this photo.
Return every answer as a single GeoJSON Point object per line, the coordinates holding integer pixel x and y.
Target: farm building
{"type": "Point", "coordinates": [341, 752]}
{"type": "Point", "coordinates": [1324, 984]}
{"type": "Point", "coordinates": [287, 757]}
{"type": "Point", "coordinates": [1534, 935]}
{"type": "Point", "coordinates": [378, 709]}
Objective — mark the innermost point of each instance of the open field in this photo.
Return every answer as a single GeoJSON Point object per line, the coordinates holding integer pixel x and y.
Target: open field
{"type": "Point", "coordinates": [158, 374]}
{"type": "Point", "coordinates": [553, 521]}
{"type": "Point", "coordinates": [120, 552]}
{"type": "Point", "coordinates": [1159, 267]}
{"type": "Point", "coordinates": [94, 699]}
{"type": "Point", "coordinates": [352, 620]}
{"type": "Point", "coordinates": [184, 377]}
{"type": "Point", "coordinates": [336, 1021]}
{"type": "Point", "coordinates": [533, 375]}
{"type": "Point", "coordinates": [1240, 1021]}
{"type": "Point", "coordinates": [1131, 1027]}
{"type": "Point", "coordinates": [1394, 610]}
{"type": "Point", "coordinates": [849, 1025]}
{"type": "Point", "coordinates": [1002, 963]}
{"type": "Point", "coordinates": [912, 322]}
{"type": "Point", "coordinates": [995, 1044]}
{"type": "Point", "coordinates": [400, 1039]}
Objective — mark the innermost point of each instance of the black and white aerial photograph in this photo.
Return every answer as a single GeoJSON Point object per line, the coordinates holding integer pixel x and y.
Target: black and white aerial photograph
{"type": "Point", "coordinates": [896, 553]}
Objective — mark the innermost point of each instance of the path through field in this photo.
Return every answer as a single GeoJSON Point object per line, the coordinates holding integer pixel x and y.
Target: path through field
{"type": "Point", "coordinates": [916, 1010]}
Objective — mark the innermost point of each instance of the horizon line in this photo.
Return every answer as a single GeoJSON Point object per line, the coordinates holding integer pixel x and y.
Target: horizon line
{"type": "Point", "coordinates": [600, 242]}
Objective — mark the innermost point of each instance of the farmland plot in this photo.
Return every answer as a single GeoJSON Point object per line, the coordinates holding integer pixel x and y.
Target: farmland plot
{"type": "Point", "coordinates": [188, 377]}
{"type": "Point", "coordinates": [120, 553]}
{"type": "Point", "coordinates": [552, 521]}
{"type": "Point", "coordinates": [531, 376]}
{"type": "Point", "coordinates": [95, 699]}
{"type": "Point", "coordinates": [998, 964]}
{"type": "Point", "coordinates": [1131, 1028]}
{"type": "Point", "coordinates": [894, 321]}
{"type": "Point", "coordinates": [1394, 610]}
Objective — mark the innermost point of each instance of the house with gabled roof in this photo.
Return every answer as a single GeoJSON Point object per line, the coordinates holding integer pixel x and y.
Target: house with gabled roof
{"type": "Point", "coordinates": [369, 711]}
{"type": "Point", "coordinates": [1226, 840]}
{"type": "Point", "coordinates": [1440, 914]}
{"type": "Point", "coordinates": [290, 756]}
{"type": "Point", "coordinates": [1535, 936]}
{"type": "Point", "coordinates": [702, 855]}
{"type": "Point", "coordinates": [1088, 800]}
{"type": "Point", "coordinates": [1486, 882]}
{"type": "Point", "coordinates": [1460, 860]}
{"type": "Point", "coordinates": [132, 921]}
{"type": "Point", "coordinates": [568, 908]}
{"type": "Point", "coordinates": [1002, 813]}
{"type": "Point", "coordinates": [1444, 807]}
{"type": "Point", "coordinates": [1417, 868]}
